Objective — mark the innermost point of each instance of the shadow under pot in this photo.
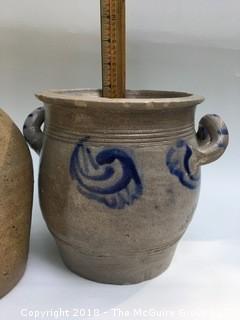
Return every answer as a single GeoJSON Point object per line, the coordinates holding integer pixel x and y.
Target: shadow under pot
{"type": "Point", "coordinates": [16, 192]}
{"type": "Point", "coordinates": [120, 178]}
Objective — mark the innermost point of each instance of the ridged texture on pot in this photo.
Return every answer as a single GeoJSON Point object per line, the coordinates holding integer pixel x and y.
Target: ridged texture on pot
{"type": "Point", "coordinates": [16, 192]}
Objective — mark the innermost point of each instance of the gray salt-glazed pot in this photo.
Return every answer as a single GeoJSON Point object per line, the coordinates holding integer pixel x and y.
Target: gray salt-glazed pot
{"type": "Point", "coordinates": [120, 178]}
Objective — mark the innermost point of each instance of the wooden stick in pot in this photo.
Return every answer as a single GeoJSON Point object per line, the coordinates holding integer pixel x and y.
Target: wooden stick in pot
{"type": "Point", "coordinates": [113, 40]}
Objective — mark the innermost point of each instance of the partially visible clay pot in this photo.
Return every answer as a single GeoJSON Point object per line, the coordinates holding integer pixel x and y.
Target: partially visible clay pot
{"type": "Point", "coordinates": [16, 190]}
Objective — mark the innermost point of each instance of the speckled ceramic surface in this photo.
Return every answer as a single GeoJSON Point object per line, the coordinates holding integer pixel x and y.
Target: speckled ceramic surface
{"type": "Point", "coordinates": [120, 178]}
{"type": "Point", "coordinates": [16, 192]}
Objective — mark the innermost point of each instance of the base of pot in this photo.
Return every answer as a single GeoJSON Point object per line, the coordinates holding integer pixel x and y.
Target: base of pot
{"type": "Point", "coordinates": [7, 286]}
{"type": "Point", "coordinates": [119, 270]}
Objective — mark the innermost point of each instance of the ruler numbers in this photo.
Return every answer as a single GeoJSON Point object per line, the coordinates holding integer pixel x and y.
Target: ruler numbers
{"type": "Point", "coordinates": [113, 48]}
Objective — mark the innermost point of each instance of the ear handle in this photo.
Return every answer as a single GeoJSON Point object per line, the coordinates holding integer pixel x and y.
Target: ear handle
{"type": "Point", "coordinates": [32, 129]}
{"type": "Point", "coordinates": [213, 139]}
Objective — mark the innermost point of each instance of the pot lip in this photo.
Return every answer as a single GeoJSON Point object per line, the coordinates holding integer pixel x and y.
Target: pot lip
{"type": "Point", "coordinates": [151, 99]}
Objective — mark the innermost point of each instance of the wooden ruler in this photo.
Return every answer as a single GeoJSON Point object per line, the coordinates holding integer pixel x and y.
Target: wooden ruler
{"type": "Point", "coordinates": [113, 31]}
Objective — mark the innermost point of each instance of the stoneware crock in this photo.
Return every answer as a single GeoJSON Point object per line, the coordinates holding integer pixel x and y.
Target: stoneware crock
{"type": "Point", "coordinates": [16, 191]}
{"type": "Point", "coordinates": [120, 178]}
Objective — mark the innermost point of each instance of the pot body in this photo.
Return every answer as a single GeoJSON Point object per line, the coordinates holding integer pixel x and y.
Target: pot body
{"type": "Point", "coordinates": [119, 182]}
{"type": "Point", "coordinates": [16, 191]}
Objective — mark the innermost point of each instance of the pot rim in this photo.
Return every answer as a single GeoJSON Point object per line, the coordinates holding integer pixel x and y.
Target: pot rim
{"type": "Point", "coordinates": [150, 99]}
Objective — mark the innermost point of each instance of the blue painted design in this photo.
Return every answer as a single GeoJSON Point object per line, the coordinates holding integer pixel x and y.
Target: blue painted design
{"type": "Point", "coordinates": [223, 131]}
{"type": "Point", "coordinates": [178, 163]}
{"type": "Point", "coordinates": [222, 145]}
{"type": "Point", "coordinates": [109, 177]}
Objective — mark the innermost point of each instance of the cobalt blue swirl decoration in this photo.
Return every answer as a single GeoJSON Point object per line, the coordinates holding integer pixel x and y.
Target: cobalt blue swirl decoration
{"type": "Point", "coordinates": [108, 176]}
{"type": "Point", "coordinates": [178, 162]}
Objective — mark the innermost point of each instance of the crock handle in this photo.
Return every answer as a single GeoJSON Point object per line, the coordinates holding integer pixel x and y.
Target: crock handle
{"type": "Point", "coordinates": [212, 138]}
{"type": "Point", "coordinates": [32, 129]}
